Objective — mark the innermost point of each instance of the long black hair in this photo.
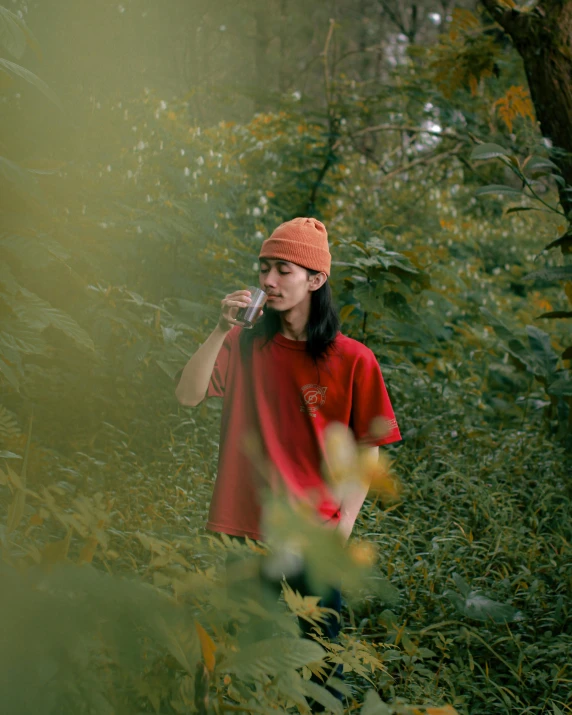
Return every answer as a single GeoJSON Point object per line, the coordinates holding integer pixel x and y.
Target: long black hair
{"type": "Point", "coordinates": [323, 325]}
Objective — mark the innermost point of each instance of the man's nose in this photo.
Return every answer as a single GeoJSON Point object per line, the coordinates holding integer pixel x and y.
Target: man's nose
{"type": "Point", "coordinates": [270, 279]}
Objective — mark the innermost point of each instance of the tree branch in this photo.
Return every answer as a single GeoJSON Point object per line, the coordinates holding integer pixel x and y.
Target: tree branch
{"type": "Point", "coordinates": [512, 20]}
{"type": "Point", "coordinates": [325, 56]}
{"type": "Point", "coordinates": [423, 160]}
{"type": "Point", "coordinates": [397, 21]}
{"type": "Point", "coordinates": [414, 130]}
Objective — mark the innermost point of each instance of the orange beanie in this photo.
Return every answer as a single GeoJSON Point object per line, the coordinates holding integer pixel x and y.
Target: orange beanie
{"type": "Point", "coordinates": [303, 241]}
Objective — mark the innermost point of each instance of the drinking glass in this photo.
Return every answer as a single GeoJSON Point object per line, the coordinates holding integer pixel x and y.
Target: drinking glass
{"type": "Point", "coordinates": [249, 315]}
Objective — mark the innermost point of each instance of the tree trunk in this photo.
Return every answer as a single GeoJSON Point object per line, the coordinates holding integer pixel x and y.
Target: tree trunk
{"type": "Point", "coordinates": [543, 38]}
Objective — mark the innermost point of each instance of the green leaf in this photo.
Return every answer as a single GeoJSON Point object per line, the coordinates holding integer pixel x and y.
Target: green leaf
{"type": "Point", "coordinates": [321, 695]}
{"type": "Point", "coordinates": [515, 209]}
{"type": "Point", "coordinates": [11, 68]}
{"type": "Point", "coordinates": [12, 34]}
{"type": "Point", "coordinates": [562, 387]}
{"type": "Point", "coordinates": [565, 241]}
{"type": "Point", "coordinates": [483, 152]}
{"type": "Point", "coordinates": [373, 705]}
{"type": "Point", "coordinates": [14, 30]}
{"type": "Point", "coordinates": [20, 338]}
{"type": "Point", "coordinates": [270, 657]}
{"type": "Point", "coordinates": [8, 423]}
{"type": "Point", "coordinates": [39, 314]}
{"type": "Point", "coordinates": [542, 349]}
{"type": "Point", "coordinates": [9, 455]}
{"type": "Point", "coordinates": [384, 590]}
{"type": "Point", "coordinates": [481, 608]}
{"type": "Point", "coordinates": [559, 273]}
{"type": "Point", "coordinates": [134, 355]}
{"type": "Point", "coordinates": [556, 314]}
{"type": "Point", "coordinates": [461, 584]}
{"type": "Point", "coordinates": [539, 163]}
{"type": "Point", "coordinates": [169, 369]}
{"type": "Point", "coordinates": [20, 179]}
{"type": "Point", "coordinates": [34, 250]}
{"type": "Point", "coordinates": [511, 343]}
{"type": "Point", "coordinates": [498, 189]}
{"type": "Point", "coordinates": [10, 375]}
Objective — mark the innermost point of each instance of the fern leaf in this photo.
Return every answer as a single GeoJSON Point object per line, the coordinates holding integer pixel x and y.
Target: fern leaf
{"type": "Point", "coordinates": [8, 423]}
{"type": "Point", "coordinates": [39, 314]}
{"type": "Point", "coordinates": [9, 375]}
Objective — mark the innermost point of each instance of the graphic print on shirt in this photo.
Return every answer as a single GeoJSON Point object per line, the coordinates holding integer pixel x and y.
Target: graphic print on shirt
{"type": "Point", "coordinates": [312, 398]}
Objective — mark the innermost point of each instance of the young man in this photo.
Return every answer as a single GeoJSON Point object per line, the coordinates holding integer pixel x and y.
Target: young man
{"type": "Point", "coordinates": [285, 381]}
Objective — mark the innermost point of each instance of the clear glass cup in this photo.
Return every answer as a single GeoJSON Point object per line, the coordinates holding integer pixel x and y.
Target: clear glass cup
{"type": "Point", "coordinates": [246, 317]}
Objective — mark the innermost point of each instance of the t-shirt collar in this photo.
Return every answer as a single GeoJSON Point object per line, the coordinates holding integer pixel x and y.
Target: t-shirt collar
{"type": "Point", "coordinates": [288, 343]}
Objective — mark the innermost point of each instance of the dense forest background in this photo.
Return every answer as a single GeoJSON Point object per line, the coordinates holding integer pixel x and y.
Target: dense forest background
{"type": "Point", "coordinates": [146, 150]}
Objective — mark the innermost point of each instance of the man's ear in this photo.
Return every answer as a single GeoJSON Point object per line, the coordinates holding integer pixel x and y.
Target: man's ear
{"type": "Point", "coordinates": [318, 280]}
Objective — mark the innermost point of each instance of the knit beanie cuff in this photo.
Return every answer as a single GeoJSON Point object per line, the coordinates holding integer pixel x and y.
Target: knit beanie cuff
{"type": "Point", "coordinates": [303, 254]}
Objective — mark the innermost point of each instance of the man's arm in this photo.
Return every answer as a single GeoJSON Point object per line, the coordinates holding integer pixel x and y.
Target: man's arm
{"type": "Point", "coordinates": [353, 502]}
{"type": "Point", "coordinates": [196, 375]}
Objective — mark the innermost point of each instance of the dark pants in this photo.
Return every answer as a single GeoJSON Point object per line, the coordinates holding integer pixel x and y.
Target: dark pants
{"type": "Point", "coordinates": [271, 588]}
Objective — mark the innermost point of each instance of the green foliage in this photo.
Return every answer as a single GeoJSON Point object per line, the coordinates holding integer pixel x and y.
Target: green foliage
{"type": "Point", "coordinates": [542, 360]}
{"type": "Point", "coordinates": [483, 615]}
{"type": "Point", "coordinates": [113, 262]}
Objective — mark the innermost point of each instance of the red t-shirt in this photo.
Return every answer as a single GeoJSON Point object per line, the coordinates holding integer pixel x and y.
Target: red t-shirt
{"type": "Point", "coordinates": [285, 401]}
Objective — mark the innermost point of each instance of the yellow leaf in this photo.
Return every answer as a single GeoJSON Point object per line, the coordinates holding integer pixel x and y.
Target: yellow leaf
{"type": "Point", "coordinates": [515, 103]}
{"type": "Point", "coordinates": [57, 550]}
{"type": "Point", "coordinates": [208, 647]}
{"type": "Point", "coordinates": [88, 552]}
{"type": "Point", "coordinates": [346, 311]}
{"type": "Point", "coordinates": [363, 553]}
{"type": "Point", "coordinates": [445, 710]}
{"type": "Point", "coordinates": [543, 304]}
{"type": "Point", "coordinates": [16, 511]}
{"type": "Point", "coordinates": [15, 479]}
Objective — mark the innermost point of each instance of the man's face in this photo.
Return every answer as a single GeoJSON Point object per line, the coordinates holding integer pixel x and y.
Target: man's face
{"type": "Point", "coordinates": [286, 284]}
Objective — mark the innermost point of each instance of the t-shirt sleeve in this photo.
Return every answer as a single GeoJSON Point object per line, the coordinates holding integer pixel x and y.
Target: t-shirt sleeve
{"type": "Point", "coordinates": [217, 383]}
{"type": "Point", "coordinates": [372, 420]}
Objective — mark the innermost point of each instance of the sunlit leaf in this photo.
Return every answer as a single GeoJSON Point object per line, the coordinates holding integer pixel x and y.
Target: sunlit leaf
{"type": "Point", "coordinates": [208, 647]}
{"type": "Point", "coordinates": [373, 705]}
{"type": "Point", "coordinates": [56, 551]}
{"type": "Point", "coordinates": [15, 70]}
{"type": "Point", "coordinates": [12, 33]}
